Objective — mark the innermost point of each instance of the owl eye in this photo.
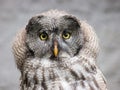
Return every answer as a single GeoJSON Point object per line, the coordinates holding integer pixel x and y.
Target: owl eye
{"type": "Point", "coordinates": [66, 35]}
{"type": "Point", "coordinates": [43, 36]}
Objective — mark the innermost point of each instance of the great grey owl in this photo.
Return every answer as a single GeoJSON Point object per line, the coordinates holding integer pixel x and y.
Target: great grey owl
{"type": "Point", "coordinates": [57, 51]}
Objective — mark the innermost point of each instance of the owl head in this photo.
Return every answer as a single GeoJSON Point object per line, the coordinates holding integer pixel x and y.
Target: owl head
{"type": "Point", "coordinates": [54, 34]}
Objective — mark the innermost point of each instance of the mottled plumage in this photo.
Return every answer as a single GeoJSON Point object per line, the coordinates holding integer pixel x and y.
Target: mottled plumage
{"type": "Point", "coordinates": [57, 51]}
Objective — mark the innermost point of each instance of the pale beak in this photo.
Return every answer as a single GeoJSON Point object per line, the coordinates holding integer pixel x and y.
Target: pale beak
{"type": "Point", "coordinates": [55, 51]}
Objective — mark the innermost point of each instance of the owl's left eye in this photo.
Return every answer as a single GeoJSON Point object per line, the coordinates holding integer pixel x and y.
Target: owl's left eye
{"type": "Point", "coordinates": [43, 36]}
{"type": "Point", "coordinates": [66, 35]}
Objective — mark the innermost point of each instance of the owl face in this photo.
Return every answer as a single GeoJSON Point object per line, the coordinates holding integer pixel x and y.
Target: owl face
{"type": "Point", "coordinates": [54, 37]}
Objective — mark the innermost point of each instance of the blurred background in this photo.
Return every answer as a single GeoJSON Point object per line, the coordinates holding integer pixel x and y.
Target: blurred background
{"type": "Point", "coordinates": [103, 15]}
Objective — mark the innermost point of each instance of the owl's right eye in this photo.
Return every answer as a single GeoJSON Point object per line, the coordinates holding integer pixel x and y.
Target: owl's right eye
{"type": "Point", "coordinates": [43, 36]}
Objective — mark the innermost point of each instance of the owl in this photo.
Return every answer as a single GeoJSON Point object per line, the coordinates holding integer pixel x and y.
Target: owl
{"type": "Point", "coordinates": [57, 51]}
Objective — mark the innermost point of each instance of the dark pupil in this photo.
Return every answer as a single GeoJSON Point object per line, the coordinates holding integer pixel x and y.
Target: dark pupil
{"type": "Point", "coordinates": [44, 35]}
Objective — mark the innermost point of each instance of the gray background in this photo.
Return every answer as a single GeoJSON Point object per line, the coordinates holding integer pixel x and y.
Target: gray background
{"type": "Point", "coordinates": [103, 15]}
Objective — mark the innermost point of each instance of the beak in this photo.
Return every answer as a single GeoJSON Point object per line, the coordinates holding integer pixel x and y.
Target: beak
{"type": "Point", "coordinates": [55, 51]}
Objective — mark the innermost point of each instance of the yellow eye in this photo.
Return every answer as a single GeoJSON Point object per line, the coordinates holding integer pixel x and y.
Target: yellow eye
{"type": "Point", "coordinates": [43, 36]}
{"type": "Point", "coordinates": [66, 35]}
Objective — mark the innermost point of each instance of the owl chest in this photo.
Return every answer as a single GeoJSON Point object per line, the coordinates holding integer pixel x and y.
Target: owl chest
{"type": "Point", "coordinates": [60, 79]}
{"type": "Point", "coordinates": [45, 75]}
